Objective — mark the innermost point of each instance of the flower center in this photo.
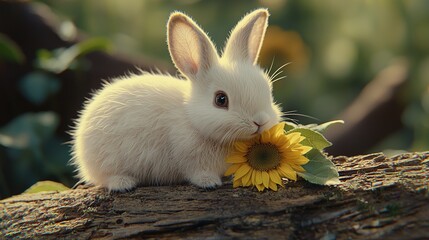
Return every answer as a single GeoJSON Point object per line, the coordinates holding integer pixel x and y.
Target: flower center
{"type": "Point", "coordinates": [263, 156]}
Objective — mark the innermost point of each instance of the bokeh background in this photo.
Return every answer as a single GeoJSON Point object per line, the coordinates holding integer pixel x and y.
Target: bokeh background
{"type": "Point", "coordinates": [348, 59]}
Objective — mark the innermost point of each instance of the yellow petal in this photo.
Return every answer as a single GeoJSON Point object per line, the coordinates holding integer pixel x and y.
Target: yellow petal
{"type": "Point", "coordinates": [277, 130]}
{"type": "Point", "coordinates": [279, 127]}
{"type": "Point", "coordinates": [291, 155]}
{"type": "Point", "coordinates": [265, 137]}
{"type": "Point", "coordinates": [248, 184]}
{"type": "Point", "coordinates": [302, 149]}
{"type": "Point", "coordinates": [297, 168]}
{"type": "Point", "coordinates": [244, 168]}
{"type": "Point", "coordinates": [275, 177]}
{"type": "Point", "coordinates": [258, 177]}
{"type": "Point", "coordinates": [232, 169]}
{"type": "Point", "coordinates": [236, 184]}
{"type": "Point", "coordinates": [273, 186]}
{"type": "Point", "coordinates": [241, 146]}
{"type": "Point", "coordinates": [291, 150]}
{"type": "Point", "coordinates": [282, 141]}
{"type": "Point", "coordinates": [305, 149]}
{"type": "Point", "coordinates": [301, 160]}
{"type": "Point", "coordinates": [294, 137]}
{"type": "Point", "coordinates": [284, 149]}
{"type": "Point", "coordinates": [236, 159]}
{"type": "Point", "coordinates": [246, 178]}
{"type": "Point", "coordinates": [301, 138]}
{"type": "Point", "coordinates": [287, 171]}
{"type": "Point", "coordinates": [265, 179]}
{"type": "Point", "coordinates": [260, 187]}
{"type": "Point", "coordinates": [253, 177]}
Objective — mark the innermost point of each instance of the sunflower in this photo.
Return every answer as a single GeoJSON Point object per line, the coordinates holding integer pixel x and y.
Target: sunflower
{"type": "Point", "coordinates": [265, 159]}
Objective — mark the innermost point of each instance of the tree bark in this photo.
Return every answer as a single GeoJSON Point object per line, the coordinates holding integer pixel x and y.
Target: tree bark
{"type": "Point", "coordinates": [379, 198]}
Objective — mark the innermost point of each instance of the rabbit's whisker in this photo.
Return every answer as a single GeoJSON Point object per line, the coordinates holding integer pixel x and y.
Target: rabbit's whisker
{"type": "Point", "coordinates": [279, 69]}
{"type": "Point", "coordinates": [271, 66]}
{"type": "Point", "coordinates": [277, 79]}
{"type": "Point", "coordinates": [293, 113]}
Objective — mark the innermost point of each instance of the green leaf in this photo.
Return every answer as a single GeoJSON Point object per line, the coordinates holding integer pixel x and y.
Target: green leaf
{"type": "Point", "coordinates": [320, 170]}
{"type": "Point", "coordinates": [43, 54]}
{"type": "Point", "coordinates": [318, 128]}
{"type": "Point", "coordinates": [312, 138]}
{"type": "Point", "coordinates": [60, 59]}
{"type": "Point", "coordinates": [29, 130]}
{"type": "Point", "coordinates": [92, 45]}
{"type": "Point", "coordinates": [322, 127]}
{"type": "Point", "coordinates": [44, 186]}
{"type": "Point", "coordinates": [10, 51]}
{"type": "Point", "coordinates": [289, 126]}
{"type": "Point", "coordinates": [38, 86]}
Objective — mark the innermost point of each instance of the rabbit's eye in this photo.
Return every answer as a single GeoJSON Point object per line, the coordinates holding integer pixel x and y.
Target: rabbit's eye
{"type": "Point", "coordinates": [221, 100]}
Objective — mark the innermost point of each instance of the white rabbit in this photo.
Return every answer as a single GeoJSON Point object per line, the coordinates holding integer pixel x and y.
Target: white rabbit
{"type": "Point", "coordinates": [158, 129]}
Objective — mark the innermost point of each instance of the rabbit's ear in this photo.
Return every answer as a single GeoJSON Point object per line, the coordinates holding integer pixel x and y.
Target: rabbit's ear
{"type": "Point", "coordinates": [246, 39]}
{"type": "Point", "coordinates": [190, 48]}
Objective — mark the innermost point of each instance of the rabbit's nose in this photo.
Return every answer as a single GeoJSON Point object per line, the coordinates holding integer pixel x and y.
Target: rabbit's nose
{"type": "Point", "coordinates": [259, 125]}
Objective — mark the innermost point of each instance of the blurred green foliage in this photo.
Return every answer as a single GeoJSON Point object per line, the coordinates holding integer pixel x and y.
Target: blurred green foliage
{"type": "Point", "coordinates": [61, 59]}
{"type": "Point", "coordinates": [335, 48]}
{"type": "Point", "coordinates": [9, 51]}
{"type": "Point", "coordinates": [29, 142]}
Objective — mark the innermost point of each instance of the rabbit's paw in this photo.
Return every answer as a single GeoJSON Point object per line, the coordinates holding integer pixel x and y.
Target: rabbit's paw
{"type": "Point", "coordinates": [206, 180]}
{"type": "Point", "coordinates": [120, 183]}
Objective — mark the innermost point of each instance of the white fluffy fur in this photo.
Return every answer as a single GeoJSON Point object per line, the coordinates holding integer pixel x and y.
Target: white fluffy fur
{"type": "Point", "coordinates": [157, 129]}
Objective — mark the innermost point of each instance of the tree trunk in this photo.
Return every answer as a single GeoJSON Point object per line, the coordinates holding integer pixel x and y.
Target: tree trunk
{"type": "Point", "coordinates": [379, 198]}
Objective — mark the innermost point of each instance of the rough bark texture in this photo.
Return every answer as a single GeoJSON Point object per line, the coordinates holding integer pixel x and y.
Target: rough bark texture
{"type": "Point", "coordinates": [379, 198]}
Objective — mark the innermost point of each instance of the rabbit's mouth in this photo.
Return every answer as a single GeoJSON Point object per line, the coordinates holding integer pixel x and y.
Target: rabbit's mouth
{"type": "Point", "coordinates": [260, 127]}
